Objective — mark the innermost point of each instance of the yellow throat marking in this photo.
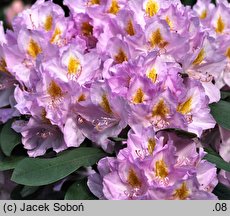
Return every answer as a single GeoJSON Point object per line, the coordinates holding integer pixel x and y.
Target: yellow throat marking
{"type": "Point", "coordinates": [48, 23]}
{"type": "Point", "coordinates": [33, 48]}
{"type": "Point", "coordinates": [151, 8]}
{"type": "Point", "coordinates": [161, 169]}
{"type": "Point", "coordinates": [138, 96]}
{"type": "Point", "coordinates": [133, 179]}
{"type": "Point", "coordinates": [185, 108]}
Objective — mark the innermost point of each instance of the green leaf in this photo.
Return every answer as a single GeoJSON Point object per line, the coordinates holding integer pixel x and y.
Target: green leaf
{"type": "Point", "coordinates": [225, 94]}
{"type": "Point", "coordinates": [28, 190]}
{"type": "Point", "coordinates": [79, 191]}
{"type": "Point", "coordinates": [117, 139]}
{"type": "Point", "coordinates": [211, 151]}
{"type": "Point", "coordinates": [220, 112]}
{"type": "Point", "coordinates": [9, 138]}
{"type": "Point", "coordinates": [180, 132]}
{"type": "Point", "coordinates": [10, 163]}
{"type": "Point", "coordinates": [37, 171]}
{"type": "Point", "coordinates": [218, 161]}
{"type": "Point", "coordinates": [222, 192]}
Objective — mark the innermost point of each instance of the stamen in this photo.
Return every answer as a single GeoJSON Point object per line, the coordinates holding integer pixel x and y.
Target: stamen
{"type": "Point", "coordinates": [44, 134]}
{"type": "Point", "coordinates": [104, 123]}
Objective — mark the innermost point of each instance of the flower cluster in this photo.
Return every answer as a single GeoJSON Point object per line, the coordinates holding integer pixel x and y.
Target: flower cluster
{"type": "Point", "coordinates": [146, 64]}
{"type": "Point", "coordinates": [153, 166]}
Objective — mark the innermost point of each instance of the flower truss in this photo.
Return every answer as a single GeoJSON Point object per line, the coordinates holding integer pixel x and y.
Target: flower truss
{"type": "Point", "coordinates": [136, 78]}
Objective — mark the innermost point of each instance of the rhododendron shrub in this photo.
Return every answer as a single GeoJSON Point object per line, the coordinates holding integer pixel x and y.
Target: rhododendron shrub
{"type": "Point", "coordinates": [118, 100]}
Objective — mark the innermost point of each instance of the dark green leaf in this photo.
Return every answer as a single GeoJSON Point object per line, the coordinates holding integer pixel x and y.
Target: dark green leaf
{"type": "Point", "coordinates": [220, 112]}
{"type": "Point", "coordinates": [180, 132]}
{"type": "Point", "coordinates": [117, 139]}
{"type": "Point", "coordinates": [222, 192]}
{"type": "Point", "coordinates": [211, 151]}
{"type": "Point", "coordinates": [10, 163]}
{"type": "Point", "coordinates": [225, 94]}
{"type": "Point", "coordinates": [79, 191]}
{"type": "Point", "coordinates": [28, 190]}
{"type": "Point", "coordinates": [37, 171]}
{"type": "Point", "coordinates": [218, 161]}
{"type": "Point", "coordinates": [9, 138]}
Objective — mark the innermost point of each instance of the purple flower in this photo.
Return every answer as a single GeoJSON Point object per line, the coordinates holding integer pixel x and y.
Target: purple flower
{"type": "Point", "coordinates": [155, 167]}
{"type": "Point", "coordinates": [38, 135]}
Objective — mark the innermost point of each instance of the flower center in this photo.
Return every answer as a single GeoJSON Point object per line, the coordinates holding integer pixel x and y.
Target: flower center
{"type": "Point", "coordinates": [185, 108]}
{"type": "Point", "coordinates": [152, 75]}
{"type": "Point", "coordinates": [86, 29]}
{"type": "Point", "coordinates": [3, 66]}
{"type": "Point", "coordinates": [33, 48]}
{"type": "Point", "coordinates": [220, 25]}
{"type": "Point", "coordinates": [129, 28]}
{"type": "Point", "coordinates": [74, 66]}
{"type": "Point", "coordinates": [105, 104]}
{"type": "Point", "coordinates": [160, 109]}
{"type": "Point", "coordinates": [182, 193]}
{"type": "Point", "coordinates": [203, 14]}
{"type": "Point", "coordinates": [121, 57]}
{"type": "Point", "coordinates": [199, 58]}
{"type": "Point", "coordinates": [151, 8]}
{"type": "Point", "coordinates": [81, 98]}
{"type": "Point", "coordinates": [169, 22]}
{"type": "Point", "coordinates": [151, 145]}
{"type": "Point", "coordinates": [228, 52]}
{"type": "Point", "coordinates": [133, 179]}
{"type": "Point", "coordinates": [161, 169]}
{"type": "Point", "coordinates": [48, 23]}
{"type": "Point", "coordinates": [139, 96]}
{"type": "Point", "coordinates": [157, 39]}
{"type": "Point", "coordinates": [56, 35]}
{"type": "Point", "coordinates": [114, 8]}
{"type": "Point", "coordinates": [93, 2]}
{"type": "Point", "coordinates": [54, 90]}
